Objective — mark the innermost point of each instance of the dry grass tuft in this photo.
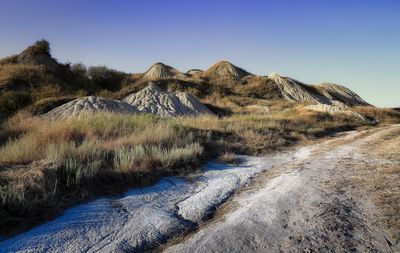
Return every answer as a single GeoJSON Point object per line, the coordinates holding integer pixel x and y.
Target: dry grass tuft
{"type": "Point", "coordinates": [227, 157]}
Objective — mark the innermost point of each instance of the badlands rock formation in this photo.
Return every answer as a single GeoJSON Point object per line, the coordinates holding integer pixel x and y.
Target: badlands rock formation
{"type": "Point", "coordinates": [89, 104]}
{"type": "Point", "coordinates": [295, 91]}
{"type": "Point", "coordinates": [153, 99]}
{"type": "Point", "coordinates": [325, 97]}
{"type": "Point", "coordinates": [332, 109]}
{"type": "Point", "coordinates": [340, 93]}
{"type": "Point", "coordinates": [162, 71]}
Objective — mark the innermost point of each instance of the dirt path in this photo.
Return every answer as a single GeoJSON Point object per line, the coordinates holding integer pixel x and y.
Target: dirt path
{"type": "Point", "coordinates": [286, 202]}
{"type": "Point", "coordinates": [305, 208]}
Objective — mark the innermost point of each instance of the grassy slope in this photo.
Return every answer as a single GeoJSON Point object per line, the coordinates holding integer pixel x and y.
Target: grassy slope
{"type": "Point", "coordinates": [46, 165]}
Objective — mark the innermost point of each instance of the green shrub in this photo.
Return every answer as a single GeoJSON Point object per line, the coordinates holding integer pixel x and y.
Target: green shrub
{"type": "Point", "coordinates": [40, 47]}
{"type": "Point", "coordinates": [105, 78]}
{"type": "Point", "coordinates": [10, 102]}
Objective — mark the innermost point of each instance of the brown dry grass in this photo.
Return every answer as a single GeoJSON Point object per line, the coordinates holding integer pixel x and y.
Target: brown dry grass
{"type": "Point", "coordinates": [383, 183]}
{"type": "Point", "coordinates": [46, 165]}
{"type": "Point", "coordinates": [377, 181]}
{"type": "Point", "coordinates": [227, 157]}
{"type": "Point", "coordinates": [11, 73]}
{"type": "Point", "coordinates": [382, 115]}
{"type": "Point", "coordinates": [58, 163]}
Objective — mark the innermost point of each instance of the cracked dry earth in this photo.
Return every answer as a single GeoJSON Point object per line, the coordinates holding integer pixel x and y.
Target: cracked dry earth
{"type": "Point", "coordinates": [287, 202]}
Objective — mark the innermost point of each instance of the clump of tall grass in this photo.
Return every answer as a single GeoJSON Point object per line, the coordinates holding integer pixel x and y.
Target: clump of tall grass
{"type": "Point", "coordinates": [227, 157]}
{"type": "Point", "coordinates": [126, 159]}
{"type": "Point", "coordinates": [12, 197]}
{"type": "Point", "coordinates": [129, 159]}
{"type": "Point", "coordinates": [21, 150]}
{"type": "Point", "coordinates": [77, 163]}
{"type": "Point", "coordinates": [177, 155]}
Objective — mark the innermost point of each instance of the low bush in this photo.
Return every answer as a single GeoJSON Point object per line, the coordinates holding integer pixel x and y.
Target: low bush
{"type": "Point", "coordinates": [10, 102]}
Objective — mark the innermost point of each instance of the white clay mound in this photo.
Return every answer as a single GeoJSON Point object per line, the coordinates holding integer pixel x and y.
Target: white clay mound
{"type": "Point", "coordinates": [162, 71]}
{"type": "Point", "coordinates": [295, 91]}
{"type": "Point", "coordinates": [191, 102]}
{"type": "Point", "coordinates": [341, 93]}
{"type": "Point", "coordinates": [331, 109]}
{"type": "Point", "coordinates": [153, 99]}
{"type": "Point", "coordinates": [326, 93]}
{"type": "Point", "coordinates": [89, 104]}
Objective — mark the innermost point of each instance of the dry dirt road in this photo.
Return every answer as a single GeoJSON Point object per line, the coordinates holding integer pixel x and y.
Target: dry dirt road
{"type": "Point", "coordinates": [301, 207]}
{"type": "Point", "coordinates": [291, 201]}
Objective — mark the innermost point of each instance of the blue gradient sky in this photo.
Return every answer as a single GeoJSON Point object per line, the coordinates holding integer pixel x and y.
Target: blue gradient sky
{"type": "Point", "coordinates": [355, 43]}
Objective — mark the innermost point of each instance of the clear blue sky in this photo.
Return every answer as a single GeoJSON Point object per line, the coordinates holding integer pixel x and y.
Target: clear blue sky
{"type": "Point", "coordinates": [354, 43]}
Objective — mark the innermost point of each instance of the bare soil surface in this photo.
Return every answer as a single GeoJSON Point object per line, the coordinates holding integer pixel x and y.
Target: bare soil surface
{"type": "Point", "coordinates": [305, 206]}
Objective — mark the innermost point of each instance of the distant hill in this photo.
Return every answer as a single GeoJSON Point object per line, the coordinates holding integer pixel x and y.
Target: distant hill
{"type": "Point", "coordinates": [37, 54]}
{"type": "Point", "coordinates": [33, 77]}
{"type": "Point", "coordinates": [161, 71]}
{"type": "Point", "coordinates": [32, 68]}
{"type": "Point", "coordinates": [225, 71]}
{"type": "Point", "coordinates": [226, 86]}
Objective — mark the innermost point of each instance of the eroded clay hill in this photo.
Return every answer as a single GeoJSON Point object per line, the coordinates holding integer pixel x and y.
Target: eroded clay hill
{"type": "Point", "coordinates": [161, 71]}
{"type": "Point", "coordinates": [89, 104]}
{"type": "Point", "coordinates": [295, 91]}
{"type": "Point", "coordinates": [153, 99]}
{"type": "Point", "coordinates": [227, 75]}
{"type": "Point", "coordinates": [336, 92]}
{"type": "Point", "coordinates": [227, 81]}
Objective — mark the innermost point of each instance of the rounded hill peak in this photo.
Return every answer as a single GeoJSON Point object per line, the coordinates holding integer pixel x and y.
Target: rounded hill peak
{"type": "Point", "coordinates": [36, 54]}
{"type": "Point", "coordinates": [226, 69]}
{"type": "Point", "coordinates": [274, 74]}
{"type": "Point", "coordinates": [160, 70]}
